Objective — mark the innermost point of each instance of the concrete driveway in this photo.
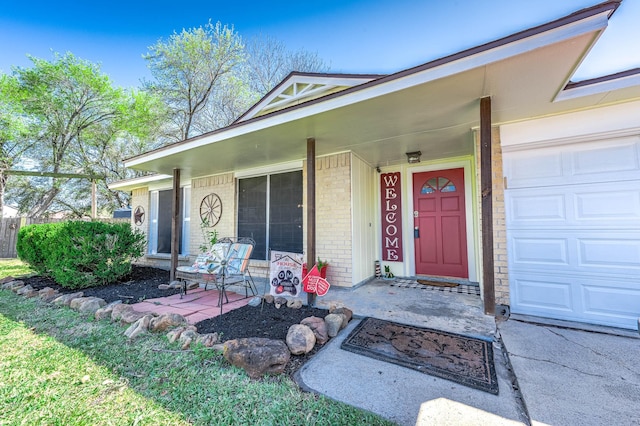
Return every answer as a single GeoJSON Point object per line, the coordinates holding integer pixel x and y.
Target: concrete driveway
{"type": "Point", "coordinates": [547, 374]}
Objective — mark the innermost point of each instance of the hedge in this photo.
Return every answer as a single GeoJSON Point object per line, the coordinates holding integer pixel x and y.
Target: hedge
{"type": "Point", "coordinates": [80, 254]}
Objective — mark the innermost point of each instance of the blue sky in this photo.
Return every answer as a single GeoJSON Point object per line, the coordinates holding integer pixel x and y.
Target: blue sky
{"type": "Point", "coordinates": [357, 36]}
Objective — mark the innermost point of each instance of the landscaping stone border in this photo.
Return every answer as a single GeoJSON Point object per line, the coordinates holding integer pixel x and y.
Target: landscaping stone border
{"type": "Point", "coordinates": [257, 356]}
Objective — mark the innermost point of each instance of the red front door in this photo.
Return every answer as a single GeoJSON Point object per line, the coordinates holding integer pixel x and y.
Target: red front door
{"type": "Point", "coordinates": [440, 233]}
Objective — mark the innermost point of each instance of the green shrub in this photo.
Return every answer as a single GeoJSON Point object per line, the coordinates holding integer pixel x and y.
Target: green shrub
{"type": "Point", "coordinates": [80, 254]}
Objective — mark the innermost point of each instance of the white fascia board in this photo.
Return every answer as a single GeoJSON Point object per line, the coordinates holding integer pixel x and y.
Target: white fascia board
{"type": "Point", "coordinates": [599, 88]}
{"type": "Point", "coordinates": [483, 58]}
{"type": "Point", "coordinates": [137, 182]}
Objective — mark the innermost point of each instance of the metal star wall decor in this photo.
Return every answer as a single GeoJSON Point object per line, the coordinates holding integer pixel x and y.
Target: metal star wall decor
{"type": "Point", "coordinates": [138, 216]}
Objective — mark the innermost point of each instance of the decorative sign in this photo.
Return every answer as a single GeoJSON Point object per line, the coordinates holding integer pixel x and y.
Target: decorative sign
{"type": "Point", "coordinates": [314, 283]}
{"type": "Point", "coordinates": [285, 273]}
{"type": "Point", "coordinates": [391, 191]}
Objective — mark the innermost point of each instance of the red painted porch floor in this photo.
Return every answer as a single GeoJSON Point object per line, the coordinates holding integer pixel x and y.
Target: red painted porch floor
{"type": "Point", "coordinates": [197, 305]}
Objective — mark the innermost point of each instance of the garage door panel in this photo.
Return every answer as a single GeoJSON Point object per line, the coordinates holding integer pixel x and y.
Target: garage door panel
{"type": "Point", "coordinates": [604, 159]}
{"type": "Point", "coordinates": [620, 254]}
{"type": "Point", "coordinates": [599, 299]}
{"type": "Point", "coordinates": [542, 294]}
{"type": "Point", "coordinates": [537, 209]}
{"type": "Point", "coordinates": [575, 252]}
{"type": "Point", "coordinates": [580, 299]}
{"type": "Point", "coordinates": [610, 205]}
{"type": "Point", "coordinates": [526, 170]}
{"type": "Point", "coordinates": [532, 252]}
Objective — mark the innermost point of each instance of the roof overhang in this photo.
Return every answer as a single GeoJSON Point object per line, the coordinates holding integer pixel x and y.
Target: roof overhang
{"type": "Point", "coordinates": [139, 182]}
{"type": "Point", "coordinates": [431, 108]}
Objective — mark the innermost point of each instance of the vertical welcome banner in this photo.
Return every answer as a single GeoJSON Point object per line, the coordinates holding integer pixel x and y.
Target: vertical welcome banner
{"type": "Point", "coordinates": [391, 216]}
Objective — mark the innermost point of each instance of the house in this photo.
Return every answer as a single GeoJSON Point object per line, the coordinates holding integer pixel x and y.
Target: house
{"type": "Point", "coordinates": [489, 165]}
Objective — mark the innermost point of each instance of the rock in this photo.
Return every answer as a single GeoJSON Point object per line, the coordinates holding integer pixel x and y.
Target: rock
{"type": "Point", "coordinates": [13, 285]}
{"type": "Point", "coordinates": [22, 290]}
{"type": "Point", "coordinates": [255, 301]}
{"type": "Point", "coordinates": [78, 302]}
{"type": "Point", "coordinates": [257, 355]}
{"type": "Point", "coordinates": [105, 312]}
{"type": "Point", "coordinates": [207, 340]}
{"type": "Point", "coordinates": [165, 321]}
{"type": "Point", "coordinates": [279, 301]}
{"type": "Point", "coordinates": [118, 310]}
{"type": "Point", "coordinates": [65, 299]}
{"type": "Point", "coordinates": [163, 287]}
{"type": "Point", "coordinates": [348, 314]}
{"type": "Point", "coordinates": [48, 294]}
{"type": "Point", "coordinates": [131, 316]}
{"type": "Point", "coordinates": [268, 298]}
{"type": "Point", "coordinates": [174, 334]}
{"type": "Point", "coordinates": [319, 328]}
{"type": "Point", "coordinates": [175, 284]}
{"type": "Point", "coordinates": [138, 327]}
{"type": "Point", "coordinates": [334, 323]}
{"type": "Point", "coordinates": [294, 303]}
{"type": "Point", "coordinates": [31, 293]}
{"type": "Point", "coordinates": [187, 337]}
{"type": "Point", "coordinates": [6, 280]}
{"type": "Point", "coordinates": [300, 339]}
{"type": "Point", "coordinates": [91, 305]}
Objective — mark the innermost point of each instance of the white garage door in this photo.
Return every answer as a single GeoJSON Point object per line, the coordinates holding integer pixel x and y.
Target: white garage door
{"type": "Point", "coordinates": [573, 229]}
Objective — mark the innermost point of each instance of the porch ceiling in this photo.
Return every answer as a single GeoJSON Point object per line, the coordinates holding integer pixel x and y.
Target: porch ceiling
{"type": "Point", "coordinates": [435, 115]}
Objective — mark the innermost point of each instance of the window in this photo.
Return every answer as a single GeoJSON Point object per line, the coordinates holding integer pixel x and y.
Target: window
{"type": "Point", "coordinates": [160, 221]}
{"type": "Point", "coordinates": [441, 184]}
{"type": "Point", "coordinates": [270, 212]}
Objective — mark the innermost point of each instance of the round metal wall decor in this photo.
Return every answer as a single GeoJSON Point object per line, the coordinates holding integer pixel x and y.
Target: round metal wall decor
{"type": "Point", "coordinates": [211, 209]}
{"type": "Point", "coordinates": [138, 216]}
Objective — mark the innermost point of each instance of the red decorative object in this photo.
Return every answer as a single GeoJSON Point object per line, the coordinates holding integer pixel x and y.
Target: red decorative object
{"type": "Point", "coordinates": [390, 195]}
{"type": "Point", "coordinates": [314, 283]}
{"type": "Point", "coordinates": [323, 270]}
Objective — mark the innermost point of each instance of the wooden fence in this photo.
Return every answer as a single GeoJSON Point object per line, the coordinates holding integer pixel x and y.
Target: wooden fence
{"type": "Point", "coordinates": [10, 226]}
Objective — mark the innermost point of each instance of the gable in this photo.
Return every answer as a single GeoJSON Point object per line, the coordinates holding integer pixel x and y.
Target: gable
{"type": "Point", "coordinates": [298, 88]}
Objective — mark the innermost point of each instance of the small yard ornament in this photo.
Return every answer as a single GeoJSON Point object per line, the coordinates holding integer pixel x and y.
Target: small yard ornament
{"type": "Point", "coordinates": [387, 273]}
{"type": "Point", "coordinates": [314, 283]}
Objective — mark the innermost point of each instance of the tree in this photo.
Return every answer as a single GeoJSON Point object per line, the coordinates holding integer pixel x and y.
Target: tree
{"type": "Point", "coordinates": [79, 123]}
{"type": "Point", "coordinates": [208, 78]}
{"type": "Point", "coordinates": [13, 128]}
{"type": "Point", "coordinates": [187, 70]}
{"type": "Point", "coordinates": [269, 62]}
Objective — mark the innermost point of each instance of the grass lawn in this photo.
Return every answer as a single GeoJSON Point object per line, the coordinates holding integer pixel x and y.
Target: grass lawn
{"type": "Point", "coordinates": [14, 268]}
{"type": "Point", "coordinates": [60, 367]}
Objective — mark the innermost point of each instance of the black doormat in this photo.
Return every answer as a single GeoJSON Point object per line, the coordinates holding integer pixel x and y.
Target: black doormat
{"type": "Point", "coordinates": [461, 359]}
{"type": "Point", "coordinates": [437, 283]}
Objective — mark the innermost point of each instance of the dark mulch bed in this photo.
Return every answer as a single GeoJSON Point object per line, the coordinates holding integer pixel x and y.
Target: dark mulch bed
{"type": "Point", "coordinates": [141, 284]}
{"type": "Point", "coordinates": [262, 321]}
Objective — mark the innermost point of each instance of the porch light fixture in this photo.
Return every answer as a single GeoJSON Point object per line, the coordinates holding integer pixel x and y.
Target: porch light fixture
{"type": "Point", "coordinates": [413, 157]}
